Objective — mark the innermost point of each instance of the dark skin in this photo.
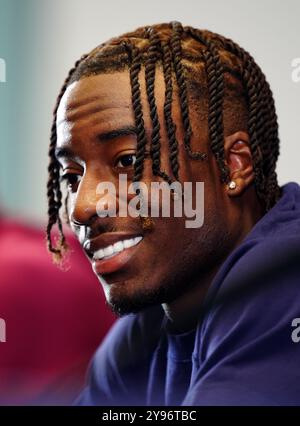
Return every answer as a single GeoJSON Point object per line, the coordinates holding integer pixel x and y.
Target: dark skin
{"type": "Point", "coordinates": [173, 265]}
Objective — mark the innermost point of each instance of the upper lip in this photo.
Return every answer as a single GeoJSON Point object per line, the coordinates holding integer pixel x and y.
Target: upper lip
{"type": "Point", "coordinates": [90, 246]}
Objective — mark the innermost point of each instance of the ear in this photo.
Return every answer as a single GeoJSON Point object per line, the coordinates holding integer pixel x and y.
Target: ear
{"type": "Point", "coordinates": [239, 161]}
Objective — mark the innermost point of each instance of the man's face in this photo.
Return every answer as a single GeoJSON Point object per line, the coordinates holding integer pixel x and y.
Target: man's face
{"type": "Point", "coordinates": [171, 258]}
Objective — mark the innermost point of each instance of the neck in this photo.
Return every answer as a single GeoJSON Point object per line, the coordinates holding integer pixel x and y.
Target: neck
{"type": "Point", "coordinates": [184, 312]}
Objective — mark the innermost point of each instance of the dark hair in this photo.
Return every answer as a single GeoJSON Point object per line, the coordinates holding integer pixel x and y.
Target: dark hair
{"type": "Point", "coordinates": [214, 71]}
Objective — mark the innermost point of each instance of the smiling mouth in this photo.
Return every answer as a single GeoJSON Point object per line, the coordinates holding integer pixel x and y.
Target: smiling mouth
{"type": "Point", "coordinates": [115, 256]}
{"type": "Point", "coordinates": [116, 248]}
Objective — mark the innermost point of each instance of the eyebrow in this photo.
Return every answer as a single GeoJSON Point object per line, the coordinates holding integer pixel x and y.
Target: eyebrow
{"type": "Point", "coordinates": [113, 134]}
{"type": "Point", "coordinates": [102, 137]}
{"type": "Point", "coordinates": [63, 153]}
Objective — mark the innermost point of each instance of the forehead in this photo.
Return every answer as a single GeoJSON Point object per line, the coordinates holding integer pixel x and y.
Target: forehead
{"type": "Point", "coordinates": [103, 92]}
{"type": "Point", "coordinates": [95, 94]}
{"type": "Point", "coordinates": [103, 103]}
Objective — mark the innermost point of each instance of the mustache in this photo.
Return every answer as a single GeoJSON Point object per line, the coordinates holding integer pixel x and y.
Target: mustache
{"type": "Point", "coordinates": [106, 225]}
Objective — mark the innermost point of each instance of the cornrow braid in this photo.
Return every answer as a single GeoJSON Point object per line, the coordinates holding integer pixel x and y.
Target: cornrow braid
{"type": "Point", "coordinates": [150, 67]}
{"type": "Point", "coordinates": [272, 187]}
{"type": "Point", "coordinates": [215, 81]}
{"type": "Point", "coordinates": [135, 57]}
{"type": "Point", "coordinates": [134, 70]}
{"type": "Point", "coordinates": [175, 43]}
{"type": "Point", "coordinates": [171, 127]}
{"type": "Point", "coordinates": [54, 193]}
{"type": "Point", "coordinates": [269, 142]}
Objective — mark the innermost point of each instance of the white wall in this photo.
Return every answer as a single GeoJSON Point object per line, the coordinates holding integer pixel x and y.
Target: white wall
{"type": "Point", "coordinates": [40, 40]}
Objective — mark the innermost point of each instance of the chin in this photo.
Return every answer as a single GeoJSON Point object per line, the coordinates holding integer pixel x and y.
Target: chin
{"type": "Point", "coordinates": [126, 297]}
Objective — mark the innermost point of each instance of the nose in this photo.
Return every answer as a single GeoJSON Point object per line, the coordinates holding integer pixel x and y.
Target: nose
{"type": "Point", "coordinates": [83, 208]}
{"type": "Point", "coordinates": [89, 202]}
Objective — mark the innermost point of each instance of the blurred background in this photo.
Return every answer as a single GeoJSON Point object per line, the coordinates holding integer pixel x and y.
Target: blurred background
{"type": "Point", "coordinates": [40, 40]}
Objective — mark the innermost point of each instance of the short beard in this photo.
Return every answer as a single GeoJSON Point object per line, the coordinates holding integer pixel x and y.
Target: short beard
{"type": "Point", "coordinates": [170, 288]}
{"type": "Point", "coordinates": [141, 300]}
{"type": "Point", "coordinates": [144, 297]}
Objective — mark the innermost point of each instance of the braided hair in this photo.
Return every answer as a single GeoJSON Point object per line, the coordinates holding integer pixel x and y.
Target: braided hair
{"type": "Point", "coordinates": [198, 62]}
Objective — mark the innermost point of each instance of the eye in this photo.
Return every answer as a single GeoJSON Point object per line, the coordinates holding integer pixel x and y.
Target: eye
{"type": "Point", "coordinates": [126, 160]}
{"type": "Point", "coordinates": [72, 180]}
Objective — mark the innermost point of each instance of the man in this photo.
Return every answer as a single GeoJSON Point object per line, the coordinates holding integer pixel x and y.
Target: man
{"type": "Point", "coordinates": [205, 312]}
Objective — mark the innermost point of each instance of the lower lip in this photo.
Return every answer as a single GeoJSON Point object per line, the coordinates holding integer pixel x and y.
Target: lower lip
{"type": "Point", "coordinates": [114, 263]}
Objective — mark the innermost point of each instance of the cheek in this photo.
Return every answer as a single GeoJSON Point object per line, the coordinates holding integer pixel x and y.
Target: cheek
{"type": "Point", "coordinates": [70, 208]}
{"type": "Point", "coordinates": [79, 232]}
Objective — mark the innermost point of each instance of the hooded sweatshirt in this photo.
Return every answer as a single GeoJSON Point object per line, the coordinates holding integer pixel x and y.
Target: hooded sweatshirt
{"type": "Point", "coordinates": [245, 349]}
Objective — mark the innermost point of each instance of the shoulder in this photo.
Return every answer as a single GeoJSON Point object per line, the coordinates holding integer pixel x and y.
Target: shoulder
{"type": "Point", "coordinates": [118, 372]}
{"type": "Point", "coordinates": [263, 281]}
{"type": "Point", "coordinates": [244, 346]}
{"type": "Point", "coordinates": [134, 335]}
{"type": "Point", "coordinates": [251, 314]}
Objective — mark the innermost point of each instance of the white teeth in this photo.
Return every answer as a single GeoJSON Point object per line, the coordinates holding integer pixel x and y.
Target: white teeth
{"type": "Point", "coordinates": [108, 250]}
{"type": "Point", "coordinates": [129, 243]}
{"type": "Point", "coordinates": [119, 246]}
{"type": "Point", "coordinates": [99, 254]}
{"type": "Point", "coordinates": [116, 248]}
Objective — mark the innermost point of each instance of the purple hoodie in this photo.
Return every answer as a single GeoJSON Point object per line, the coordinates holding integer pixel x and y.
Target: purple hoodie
{"type": "Point", "coordinates": [240, 353]}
